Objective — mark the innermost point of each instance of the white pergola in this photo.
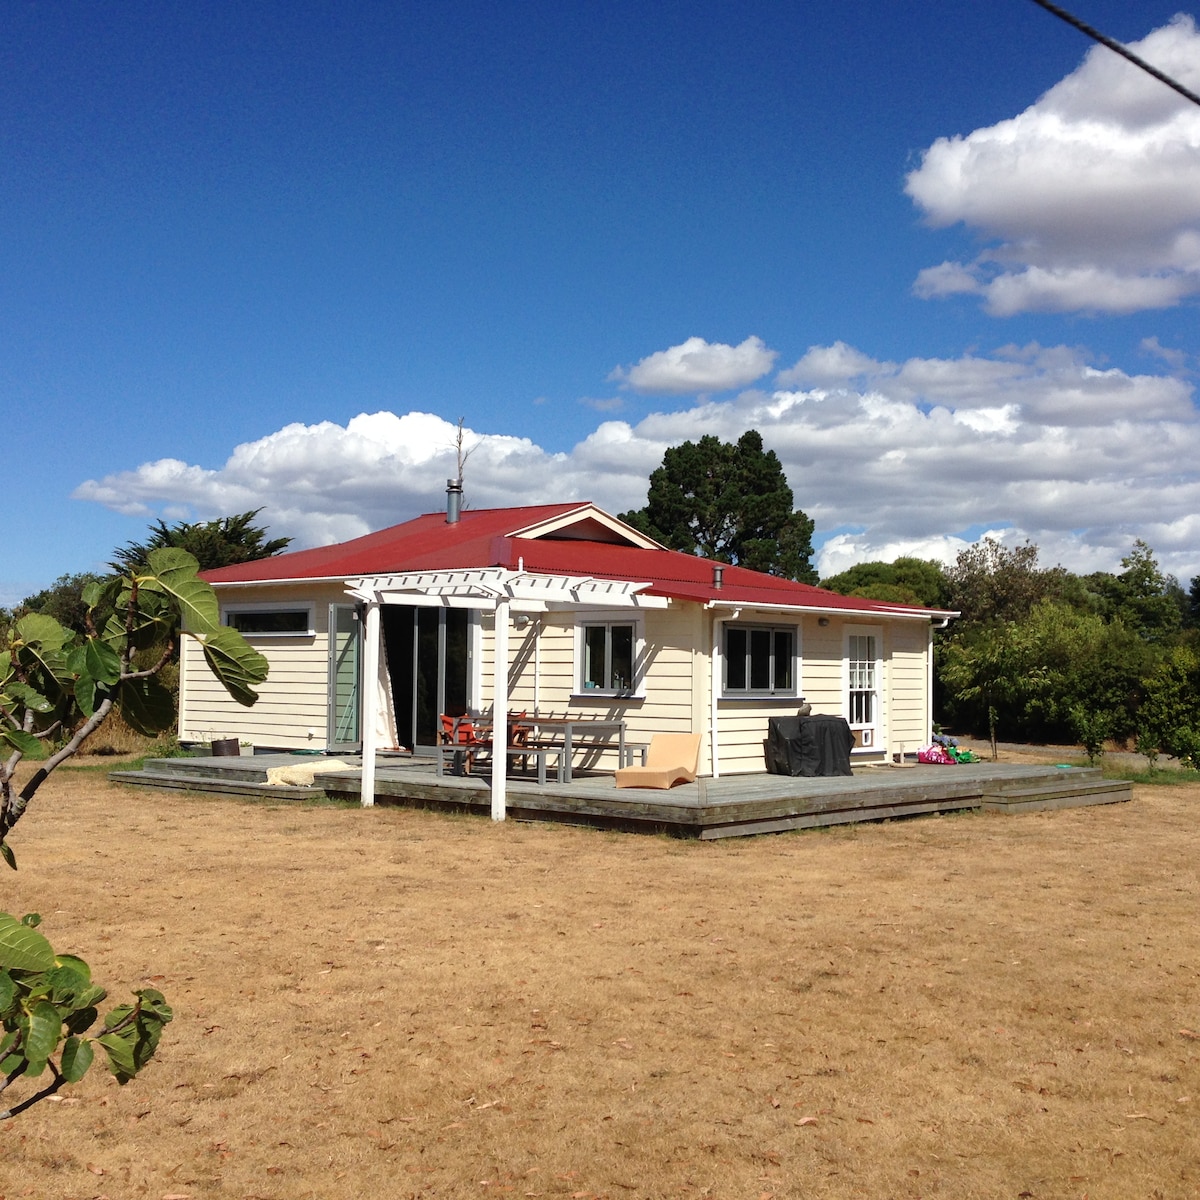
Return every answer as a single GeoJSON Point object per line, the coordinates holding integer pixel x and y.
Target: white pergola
{"type": "Point", "coordinates": [499, 590]}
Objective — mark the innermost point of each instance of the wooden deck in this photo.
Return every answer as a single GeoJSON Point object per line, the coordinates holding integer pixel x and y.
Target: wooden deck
{"type": "Point", "coordinates": [732, 806]}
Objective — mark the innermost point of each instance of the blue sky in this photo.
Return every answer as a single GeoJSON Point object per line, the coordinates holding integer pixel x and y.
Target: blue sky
{"type": "Point", "coordinates": [270, 254]}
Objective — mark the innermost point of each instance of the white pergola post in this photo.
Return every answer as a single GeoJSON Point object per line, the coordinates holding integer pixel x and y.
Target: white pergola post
{"type": "Point", "coordinates": [500, 710]}
{"type": "Point", "coordinates": [370, 701]}
{"type": "Point", "coordinates": [714, 691]}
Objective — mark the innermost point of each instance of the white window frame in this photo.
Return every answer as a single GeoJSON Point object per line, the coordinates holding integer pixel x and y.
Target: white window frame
{"type": "Point", "coordinates": [869, 737]}
{"type": "Point", "coordinates": [749, 693]}
{"type": "Point", "coordinates": [304, 606]}
{"type": "Point", "coordinates": [609, 618]}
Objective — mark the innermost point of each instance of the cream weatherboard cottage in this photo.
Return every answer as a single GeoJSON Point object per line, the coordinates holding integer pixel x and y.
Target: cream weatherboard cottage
{"type": "Point", "coordinates": [370, 640]}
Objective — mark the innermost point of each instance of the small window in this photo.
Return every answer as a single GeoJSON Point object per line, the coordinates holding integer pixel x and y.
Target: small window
{"type": "Point", "coordinates": [271, 622]}
{"type": "Point", "coordinates": [608, 657]}
{"type": "Point", "coordinates": [760, 660]}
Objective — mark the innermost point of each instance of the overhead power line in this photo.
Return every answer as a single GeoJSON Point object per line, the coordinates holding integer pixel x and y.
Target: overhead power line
{"type": "Point", "coordinates": [1115, 46]}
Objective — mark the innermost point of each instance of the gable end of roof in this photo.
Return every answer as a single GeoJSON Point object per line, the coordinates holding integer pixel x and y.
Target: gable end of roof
{"type": "Point", "coordinates": [587, 523]}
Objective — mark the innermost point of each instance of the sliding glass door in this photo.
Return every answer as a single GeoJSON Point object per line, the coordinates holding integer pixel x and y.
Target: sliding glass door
{"type": "Point", "coordinates": [428, 658]}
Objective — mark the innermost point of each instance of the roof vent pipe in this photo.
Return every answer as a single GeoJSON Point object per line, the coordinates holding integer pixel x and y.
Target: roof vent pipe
{"type": "Point", "coordinates": [718, 578]}
{"type": "Point", "coordinates": [453, 501]}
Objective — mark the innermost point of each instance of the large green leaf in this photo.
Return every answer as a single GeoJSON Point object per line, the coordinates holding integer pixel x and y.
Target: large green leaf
{"type": "Point", "coordinates": [22, 948]}
{"type": "Point", "coordinates": [152, 621]}
{"type": "Point", "coordinates": [119, 1049]}
{"type": "Point", "coordinates": [154, 1004]}
{"type": "Point", "coordinates": [130, 1047]}
{"type": "Point", "coordinates": [85, 693]}
{"type": "Point", "coordinates": [28, 745]}
{"type": "Point", "coordinates": [175, 572]}
{"type": "Point", "coordinates": [39, 638]}
{"type": "Point", "coordinates": [42, 1036]}
{"type": "Point", "coordinates": [236, 663]}
{"type": "Point", "coordinates": [69, 987]}
{"type": "Point", "coordinates": [77, 1056]}
{"type": "Point", "coordinates": [8, 992]}
{"type": "Point", "coordinates": [74, 963]}
{"type": "Point", "coordinates": [23, 694]}
{"type": "Point", "coordinates": [38, 627]}
{"type": "Point", "coordinates": [101, 661]}
{"type": "Point", "coordinates": [82, 1019]}
{"type": "Point", "coordinates": [90, 693]}
{"type": "Point", "coordinates": [147, 706]}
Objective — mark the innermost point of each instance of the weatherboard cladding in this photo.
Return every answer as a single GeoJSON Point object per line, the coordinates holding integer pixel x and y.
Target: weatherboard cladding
{"type": "Point", "coordinates": [488, 538]}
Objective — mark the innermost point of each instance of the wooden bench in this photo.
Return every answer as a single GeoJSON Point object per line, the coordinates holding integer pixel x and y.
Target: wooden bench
{"type": "Point", "coordinates": [539, 752]}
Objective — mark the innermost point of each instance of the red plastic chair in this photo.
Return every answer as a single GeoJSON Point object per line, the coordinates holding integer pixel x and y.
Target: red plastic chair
{"type": "Point", "coordinates": [468, 738]}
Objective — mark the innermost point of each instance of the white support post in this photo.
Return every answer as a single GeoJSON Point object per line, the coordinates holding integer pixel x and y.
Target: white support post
{"type": "Point", "coordinates": [714, 693]}
{"type": "Point", "coordinates": [537, 665]}
{"type": "Point", "coordinates": [500, 710]}
{"type": "Point", "coordinates": [370, 702]}
{"type": "Point", "coordinates": [929, 687]}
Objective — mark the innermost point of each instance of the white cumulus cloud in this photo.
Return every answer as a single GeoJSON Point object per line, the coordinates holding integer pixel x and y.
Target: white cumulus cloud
{"type": "Point", "coordinates": [1089, 200]}
{"type": "Point", "coordinates": [910, 458]}
{"type": "Point", "coordinates": [829, 366]}
{"type": "Point", "coordinates": [698, 366]}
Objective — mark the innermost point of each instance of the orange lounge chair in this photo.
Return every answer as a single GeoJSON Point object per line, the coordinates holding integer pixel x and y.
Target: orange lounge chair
{"type": "Point", "coordinates": [670, 759]}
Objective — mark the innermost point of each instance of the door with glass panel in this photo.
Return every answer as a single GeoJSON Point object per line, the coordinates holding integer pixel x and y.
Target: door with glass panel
{"type": "Point", "coordinates": [428, 659]}
{"type": "Point", "coordinates": [863, 671]}
{"type": "Point", "coordinates": [344, 735]}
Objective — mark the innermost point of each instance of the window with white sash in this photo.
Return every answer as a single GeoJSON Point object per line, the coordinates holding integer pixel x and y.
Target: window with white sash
{"type": "Point", "coordinates": [864, 670]}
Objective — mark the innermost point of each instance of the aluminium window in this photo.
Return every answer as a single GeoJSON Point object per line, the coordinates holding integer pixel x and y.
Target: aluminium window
{"type": "Point", "coordinates": [262, 620]}
{"type": "Point", "coordinates": [607, 657]}
{"type": "Point", "coordinates": [760, 660]}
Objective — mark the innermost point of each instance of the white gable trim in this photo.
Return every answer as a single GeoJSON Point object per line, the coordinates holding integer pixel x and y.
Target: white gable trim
{"type": "Point", "coordinates": [588, 514]}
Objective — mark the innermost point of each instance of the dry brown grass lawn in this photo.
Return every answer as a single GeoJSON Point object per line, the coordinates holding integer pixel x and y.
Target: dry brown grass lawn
{"type": "Point", "coordinates": [394, 1003]}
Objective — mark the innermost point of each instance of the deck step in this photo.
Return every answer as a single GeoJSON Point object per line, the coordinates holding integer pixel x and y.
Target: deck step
{"type": "Point", "coordinates": [1057, 793]}
{"type": "Point", "coordinates": [1071, 775]}
{"type": "Point", "coordinates": [233, 767]}
{"type": "Point", "coordinates": [225, 785]}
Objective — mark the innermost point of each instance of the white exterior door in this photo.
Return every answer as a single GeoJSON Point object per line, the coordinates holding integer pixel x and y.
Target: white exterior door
{"type": "Point", "coordinates": [864, 686]}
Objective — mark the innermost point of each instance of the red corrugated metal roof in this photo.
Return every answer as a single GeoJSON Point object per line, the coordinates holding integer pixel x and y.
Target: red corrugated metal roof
{"type": "Point", "coordinates": [482, 539]}
{"type": "Point", "coordinates": [404, 547]}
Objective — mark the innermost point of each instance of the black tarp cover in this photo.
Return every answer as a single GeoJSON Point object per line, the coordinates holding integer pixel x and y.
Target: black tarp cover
{"type": "Point", "coordinates": [817, 745]}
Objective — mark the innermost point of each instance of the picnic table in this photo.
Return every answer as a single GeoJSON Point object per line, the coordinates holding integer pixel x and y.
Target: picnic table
{"type": "Point", "coordinates": [573, 727]}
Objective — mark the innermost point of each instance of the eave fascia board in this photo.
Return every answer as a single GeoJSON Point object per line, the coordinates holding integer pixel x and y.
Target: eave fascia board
{"type": "Point", "coordinates": [901, 614]}
{"type": "Point", "coordinates": [301, 581]}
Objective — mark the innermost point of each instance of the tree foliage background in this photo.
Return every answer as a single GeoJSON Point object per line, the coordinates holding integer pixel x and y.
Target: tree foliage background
{"type": "Point", "coordinates": [219, 543]}
{"type": "Point", "coordinates": [731, 503]}
{"type": "Point", "coordinates": [1040, 654]}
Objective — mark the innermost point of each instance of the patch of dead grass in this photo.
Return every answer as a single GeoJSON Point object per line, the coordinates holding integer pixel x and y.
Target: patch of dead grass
{"type": "Point", "coordinates": [405, 1004]}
